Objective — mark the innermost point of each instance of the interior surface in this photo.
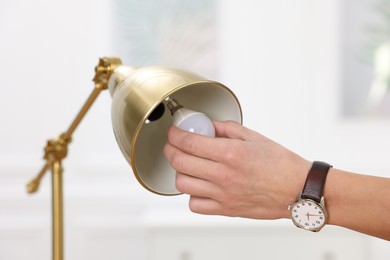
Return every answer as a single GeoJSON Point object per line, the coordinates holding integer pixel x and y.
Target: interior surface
{"type": "Point", "coordinates": [153, 170]}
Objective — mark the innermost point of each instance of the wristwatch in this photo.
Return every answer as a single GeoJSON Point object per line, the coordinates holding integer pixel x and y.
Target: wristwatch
{"type": "Point", "coordinates": [308, 211]}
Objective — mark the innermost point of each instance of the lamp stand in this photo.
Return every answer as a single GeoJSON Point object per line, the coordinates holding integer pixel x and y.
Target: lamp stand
{"type": "Point", "coordinates": [57, 149]}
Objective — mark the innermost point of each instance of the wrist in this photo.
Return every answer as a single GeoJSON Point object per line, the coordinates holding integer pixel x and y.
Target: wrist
{"type": "Point", "coordinates": [296, 183]}
{"type": "Point", "coordinates": [339, 196]}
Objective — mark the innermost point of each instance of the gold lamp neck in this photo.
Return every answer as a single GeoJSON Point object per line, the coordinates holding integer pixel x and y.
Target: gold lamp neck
{"type": "Point", "coordinates": [104, 69]}
{"type": "Point", "coordinates": [121, 72]}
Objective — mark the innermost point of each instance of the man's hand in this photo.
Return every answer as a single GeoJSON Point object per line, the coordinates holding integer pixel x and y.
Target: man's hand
{"type": "Point", "coordinates": [238, 173]}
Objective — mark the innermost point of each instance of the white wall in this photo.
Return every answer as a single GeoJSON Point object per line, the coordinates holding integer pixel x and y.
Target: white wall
{"type": "Point", "coordinates": [284, 61]}
{"type": "Point", "coordinates": [281, 58]}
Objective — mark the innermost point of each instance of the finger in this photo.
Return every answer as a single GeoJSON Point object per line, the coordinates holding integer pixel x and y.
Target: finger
{"type": "Point", "coordinates": [204, 206]}
{"type": "Point", "coordinates": [198, 145]}
{"type": "Point", "coordinates": [233, 130]}
{"type": "Point", "coordinates": [191, 165]}
{"type": "Point", "coordinates": [195, 187]}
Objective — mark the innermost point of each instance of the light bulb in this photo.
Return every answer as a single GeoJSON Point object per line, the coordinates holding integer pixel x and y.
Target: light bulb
{"type": "Point", "coordinates": [189, 120]}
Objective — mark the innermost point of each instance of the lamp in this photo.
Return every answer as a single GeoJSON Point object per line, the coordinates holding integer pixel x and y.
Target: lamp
{"type": "Point", "coordinates": [140, 120]}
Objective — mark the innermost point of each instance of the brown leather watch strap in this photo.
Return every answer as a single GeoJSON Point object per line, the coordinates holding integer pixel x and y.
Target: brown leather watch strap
{"type": "Point", "coordinates": [315, 181]}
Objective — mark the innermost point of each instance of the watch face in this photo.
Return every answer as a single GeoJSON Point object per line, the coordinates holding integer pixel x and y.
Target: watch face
{"type": "Point", "coordinates": [308, 214]}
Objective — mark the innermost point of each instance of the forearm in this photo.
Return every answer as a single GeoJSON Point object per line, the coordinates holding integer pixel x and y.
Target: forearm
{"type": "Point", "coordinates": [242, 173]}
{"type": "Point", "coordinates": [359, 202]}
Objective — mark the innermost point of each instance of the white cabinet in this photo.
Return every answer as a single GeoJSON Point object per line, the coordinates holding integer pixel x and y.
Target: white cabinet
{"type": "Point", "coordinates": [234, 239]}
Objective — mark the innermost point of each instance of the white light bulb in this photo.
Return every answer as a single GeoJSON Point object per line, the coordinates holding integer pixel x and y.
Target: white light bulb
{"type": "Point", "coordinates": [189, 120]}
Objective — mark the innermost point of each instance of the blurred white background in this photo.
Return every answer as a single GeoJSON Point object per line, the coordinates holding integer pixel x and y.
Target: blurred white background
{"type": "Point", "coordinates": [283, 59]}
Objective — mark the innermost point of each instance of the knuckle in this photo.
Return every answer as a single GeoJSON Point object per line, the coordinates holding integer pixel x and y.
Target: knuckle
{"type": "Point", "coordinates": [228, 208]}
{"type": "Point", "coordinates": [187, 143]}
{"type": "Point", "coordinates": [226, 178]}
{"type": "Point", "coordinates": [232, 154]}
{"type": "Point", "coordinates": [181, 184]}
{"type": "Point", "coordinates": [235, 154]}
{"type": "Point", "coordinates": [177, 162]}
{"type": "Point", "coordinates": [231, 123]}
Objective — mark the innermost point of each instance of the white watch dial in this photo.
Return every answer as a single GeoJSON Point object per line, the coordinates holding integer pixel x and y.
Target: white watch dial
{"type": "Point", "coordinates": [308, 214]}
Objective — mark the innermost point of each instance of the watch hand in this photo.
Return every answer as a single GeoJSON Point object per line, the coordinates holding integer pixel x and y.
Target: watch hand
{"type": "Point", "coordinates": [311, 215]}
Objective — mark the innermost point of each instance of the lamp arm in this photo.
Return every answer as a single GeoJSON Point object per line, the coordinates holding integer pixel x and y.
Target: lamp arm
{"type": "Point", "coordinates": [56, 149]}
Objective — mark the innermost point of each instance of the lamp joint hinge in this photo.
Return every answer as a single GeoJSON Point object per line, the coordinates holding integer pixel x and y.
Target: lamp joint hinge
{"type": "Point", "coordinates": [104, 70]}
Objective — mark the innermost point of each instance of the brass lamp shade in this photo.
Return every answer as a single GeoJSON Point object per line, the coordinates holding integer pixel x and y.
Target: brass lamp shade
{"type": "Point", "coordinates": [140, 119]}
